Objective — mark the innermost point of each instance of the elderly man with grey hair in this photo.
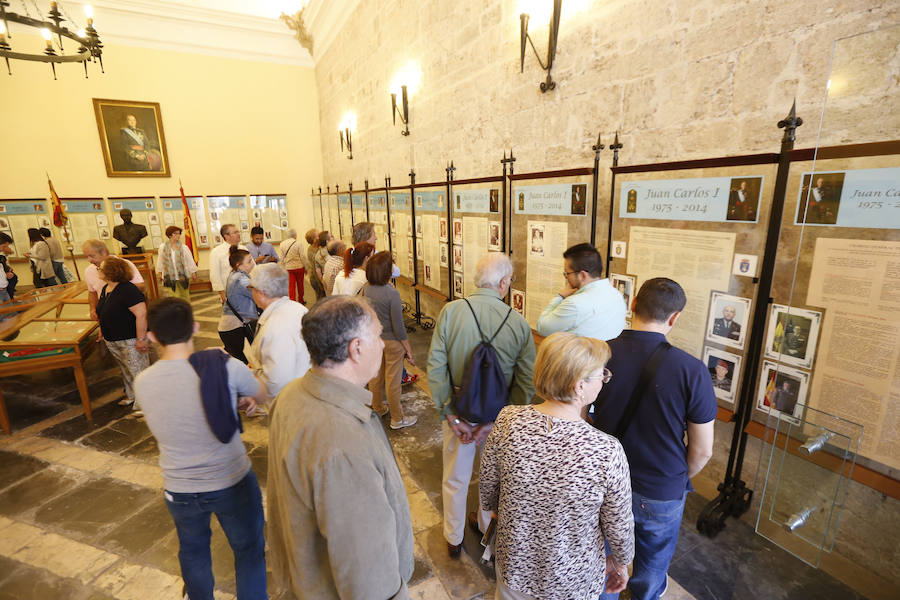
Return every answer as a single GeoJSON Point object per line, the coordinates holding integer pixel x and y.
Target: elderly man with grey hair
{"type": "Point", "coordinates": [339, 524]}
{"type": "Point", "coordinates": [334, 264]}
{"type": "Point", "coordinates": [290, 253]}
{"type": "Point", "coordinates": [278, 354]}
{"type": "Point", "coordinates": [455, 337]}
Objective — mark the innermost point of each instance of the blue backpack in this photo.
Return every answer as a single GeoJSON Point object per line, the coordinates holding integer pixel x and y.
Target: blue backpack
{"type": "Point", "coordinates": [483, 391]}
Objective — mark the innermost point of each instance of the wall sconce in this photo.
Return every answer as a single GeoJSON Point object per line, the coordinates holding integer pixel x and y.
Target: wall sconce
{"type": "Point", "coordinates": [406, 82]}
{"type": "Point", "coordinates": [549, 84]}
{"type": "Point", "coordinates": [347, 125]}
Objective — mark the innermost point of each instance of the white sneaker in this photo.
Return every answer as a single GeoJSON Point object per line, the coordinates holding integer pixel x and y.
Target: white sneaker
{"type": "Point", "coordinates": [406, 422]}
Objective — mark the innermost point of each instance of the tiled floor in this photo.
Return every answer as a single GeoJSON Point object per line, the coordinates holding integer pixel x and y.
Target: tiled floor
{"type": "Point", "coordinates": [82, 516]}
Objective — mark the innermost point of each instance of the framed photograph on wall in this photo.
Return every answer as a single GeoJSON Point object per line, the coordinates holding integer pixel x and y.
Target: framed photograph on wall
{"type": "Point", "coordinates": [782, 389]}
{"type": "Point", "coordinates": [724, 370]}
{"type": "Point", "coordinates": [727, 320]}
{"type": "Point", "coordinates": [792, 335]}
{"type": "Point", "coordinates": [624, 284]}
{"type": "Point", "coordinates": [131, 138]}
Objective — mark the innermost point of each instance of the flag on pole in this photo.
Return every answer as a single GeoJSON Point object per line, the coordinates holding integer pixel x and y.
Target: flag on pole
{"type": "Point", "coordinates": [59, 213]}
{"type": "Point", "coordinates": [189, 236]}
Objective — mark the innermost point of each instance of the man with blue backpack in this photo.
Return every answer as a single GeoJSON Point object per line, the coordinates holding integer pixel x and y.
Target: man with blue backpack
{"type": "Point", "coordinates": [481, 359]}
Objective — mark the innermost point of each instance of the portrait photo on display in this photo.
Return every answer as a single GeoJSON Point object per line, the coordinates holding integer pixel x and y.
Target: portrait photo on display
{"type": "Point", "coordinates": [724, 371]}
{"type": "Point", "coordinates": [536, 240]}
{"type": "Point", "coordinates": [727, 321]}
{"type": "Point", "coordinates": [782, 389]}
{"type": "Point", "coordinates": [792, 335]}
{"type": "Point", "coordinates": [743, 199]}
{"type": "Point", "coordinates": [445, 255]}
{"type": "Point", "coordinates": [624, 284]}
{"type": "Point", "coordinates": [579, 198]}
{"type": "Point", "coordinates": [820, 198]}
{"type": "Point", "coordinates": [518, 301]}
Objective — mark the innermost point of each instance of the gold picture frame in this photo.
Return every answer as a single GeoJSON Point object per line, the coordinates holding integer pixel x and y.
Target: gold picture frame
{"type": "Point", "coordinates": [132, 138]}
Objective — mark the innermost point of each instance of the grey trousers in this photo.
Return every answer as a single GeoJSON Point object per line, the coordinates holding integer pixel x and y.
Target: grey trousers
{"type": "Point", "coordinates": [131, 361]}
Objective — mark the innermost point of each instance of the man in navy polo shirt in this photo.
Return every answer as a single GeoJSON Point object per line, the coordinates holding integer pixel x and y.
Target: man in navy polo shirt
{"type": "Point", "coordinates": [679, 398]}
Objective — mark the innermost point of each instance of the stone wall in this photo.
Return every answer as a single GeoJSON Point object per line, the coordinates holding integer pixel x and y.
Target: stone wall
{"type": "Point", "coordinates": [679, 79]}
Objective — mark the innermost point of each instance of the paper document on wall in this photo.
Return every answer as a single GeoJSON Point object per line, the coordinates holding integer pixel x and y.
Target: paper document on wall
{"type": "Point", "coordinates": [700, 261]}
{"type": "Point", "coordinates": [431, 251]}
{"type": "Point", "coordinates": [857, 374]}
{"type": "Point", "coordinates": [474, 247]}
{"type": "Point", "coordinates": [544, 267]}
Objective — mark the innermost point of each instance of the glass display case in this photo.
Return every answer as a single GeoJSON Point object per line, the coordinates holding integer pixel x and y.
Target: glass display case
{"type": "Point", "coordinates": [47, 328]}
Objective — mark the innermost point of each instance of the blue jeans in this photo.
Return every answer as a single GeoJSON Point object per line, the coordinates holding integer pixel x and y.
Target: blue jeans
{"type": "Point", "coordinates": [60, 273]}
{"type": "Point", "coordinates": [656, 527]}
{"type": "Point", "coordinates": [240, 513]}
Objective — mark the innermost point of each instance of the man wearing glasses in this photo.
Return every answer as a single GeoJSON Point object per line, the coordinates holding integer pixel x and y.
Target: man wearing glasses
{"type": "Point", "coordinates": [588, 305]}
{"type": "Point", "coordinates": [674, 395]}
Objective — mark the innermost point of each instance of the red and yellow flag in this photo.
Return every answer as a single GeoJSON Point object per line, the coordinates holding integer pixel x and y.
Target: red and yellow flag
{"type": "Point", "coordinates": [59, 213]}
{"type": "Point", "coordinates": [189, 235]}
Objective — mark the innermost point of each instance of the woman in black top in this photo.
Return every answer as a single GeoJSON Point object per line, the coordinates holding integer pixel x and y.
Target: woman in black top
{"type": "Point", "coordinates": [122, 312]}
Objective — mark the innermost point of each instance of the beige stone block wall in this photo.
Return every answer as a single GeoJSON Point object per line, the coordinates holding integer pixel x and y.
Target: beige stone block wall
{"type": "Point", "coordinates": [680, 79]}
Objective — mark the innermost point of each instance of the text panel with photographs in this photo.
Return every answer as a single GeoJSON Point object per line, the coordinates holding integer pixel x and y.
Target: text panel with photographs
{"type": "Point", "coordinates": [228, 210]}
{"type": "Point", "coordinates": [402, 231]}
{"type": "Point", "coordinates": [431, 213]}
{"type": "Point", "coordinates": [833, 331]}
{"type": "Point", "coordinates": [173, 214]}
{"type": "Point", "coordinates": [379, 218]}
{"type": "Point", "coordinates": [269, 211]}
{"type": "Point", "coordinates": [345, 219]}
{"type": "Point", "coordinates": [548, 216]}
{"type": "Point", "coordinates": [88, 220]}
{"type": "Point", "coordinates": [705, 229]}
{"type": "Point", "coordinates": [18, 216]}
{"type": "Point", "coordinates": [475, 228]}
{"type": "Point", "coordinates": [358, 211]}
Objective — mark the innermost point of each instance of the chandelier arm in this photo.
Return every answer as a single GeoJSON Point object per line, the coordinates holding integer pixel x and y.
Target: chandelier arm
{"type": "Point", "coordinates": [73, 58]}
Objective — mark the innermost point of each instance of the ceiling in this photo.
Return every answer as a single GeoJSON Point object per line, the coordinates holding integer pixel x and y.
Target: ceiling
{"type": "Point", "coordinates": [244, 29]}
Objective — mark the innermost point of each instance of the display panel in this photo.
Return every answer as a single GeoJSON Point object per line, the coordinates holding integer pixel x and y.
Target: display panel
{"type": "Point", "coordinates": [18, 216]}
{"type": "Point", "coordinates": [173, 214]}
{"type": "Point", "coordinates": [228, 210]}
{"type": "Point", "coordinates": [270, 213]}
{"type": "Point", "coordinates": [333, 224]}
{"type": "Point", "coordinates": [378, 216]}
{"type": "Point", "coordinates": [706, 229]}
{"type": "Point", "coordinates": [87, 220]}
{"type": "Point", "coordinates": [476, 209]}
{"type": "Point", "coordinates": [358, 207]}
{"type": "Point", "coordinates": [402, 232]}
{"type": "Point", "coordinates": [431, 209]}
{"type": "Point", "coordinates": [345, 219]}
{"type": "Point", "coordinates": [549, 214]}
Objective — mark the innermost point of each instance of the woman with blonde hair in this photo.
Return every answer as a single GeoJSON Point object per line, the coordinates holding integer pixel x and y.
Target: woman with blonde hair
{"type": "Point", "coordinates": [560, 487]}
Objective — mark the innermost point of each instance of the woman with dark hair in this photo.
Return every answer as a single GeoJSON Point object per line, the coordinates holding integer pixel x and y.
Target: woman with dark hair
{"type": "Point", "coordinates": [41, 265]}
{"type": "Point", "coordinates": [175, 265]}
{"type": "Point", "coordinates": [349, 281]}
{"type": "Point", "coordinates": [385, 300]}
{"type": "Point", "coordinates": [239, 313]}
{"type": "Point", "coordinates": [7, 275]}
{"type": "Point", "coordinates": [122, 312]}
{"type": "Point", "coordinates": [321, 256]}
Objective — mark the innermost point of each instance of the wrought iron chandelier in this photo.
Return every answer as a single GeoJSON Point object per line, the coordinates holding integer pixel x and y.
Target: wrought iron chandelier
{"type": "Point", "coordinates": [89, 47]}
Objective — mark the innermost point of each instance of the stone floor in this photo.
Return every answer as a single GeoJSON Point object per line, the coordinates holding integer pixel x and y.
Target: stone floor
{"type": "Point", "coordinates": [82, 517]}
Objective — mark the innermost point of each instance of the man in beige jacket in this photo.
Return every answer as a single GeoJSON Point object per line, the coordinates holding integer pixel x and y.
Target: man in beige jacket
{"type": "Point", "coordinates": [339, 523]}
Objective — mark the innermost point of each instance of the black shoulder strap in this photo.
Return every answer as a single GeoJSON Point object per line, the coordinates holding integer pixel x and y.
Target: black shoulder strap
{"type": "Point", "coordinates": [647, 374]}
{"type": "Point", "coordinates": [234, 310]}
{"type": "Point", "coordinates": [478, 325]}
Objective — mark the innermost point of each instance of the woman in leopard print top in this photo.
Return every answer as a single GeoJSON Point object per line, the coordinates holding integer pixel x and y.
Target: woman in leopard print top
{"type": "Point", "coordinates": [559, 486]}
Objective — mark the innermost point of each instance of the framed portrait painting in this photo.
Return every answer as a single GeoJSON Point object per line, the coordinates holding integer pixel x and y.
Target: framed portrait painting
{"type": "Point", "coordinates": [131, 138]}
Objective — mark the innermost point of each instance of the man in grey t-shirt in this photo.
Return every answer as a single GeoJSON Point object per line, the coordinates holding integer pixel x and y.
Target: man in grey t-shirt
{"type": "Point", "coordinates": [195, 421]}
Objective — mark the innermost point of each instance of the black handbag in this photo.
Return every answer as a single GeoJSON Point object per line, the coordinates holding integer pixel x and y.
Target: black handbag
{"type": "Point", "coordinates": [248, 325]}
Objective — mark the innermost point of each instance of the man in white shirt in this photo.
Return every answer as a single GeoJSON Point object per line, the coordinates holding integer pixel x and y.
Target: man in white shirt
{"type": "Point", "coordinates": [278, 354]}
{"type": "Point", "coordinates": [96, 252]}
{"type": "Point", "coordinates": [219, 267]}
{"type": "Point", "coordinates": [588, 305]}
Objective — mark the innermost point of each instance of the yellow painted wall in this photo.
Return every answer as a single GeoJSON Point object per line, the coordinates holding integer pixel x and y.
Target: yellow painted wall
{"type": "Point", "coordinates": [231, 126]}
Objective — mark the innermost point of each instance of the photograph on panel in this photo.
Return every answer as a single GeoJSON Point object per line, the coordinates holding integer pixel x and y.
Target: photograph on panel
{"type": "Point", "coordinates": [624, 284]}
{"type": "Point", "coordinates": [727, 322]}
{"type": "Point", "coordinates": [820, 198]}
{"type": "Point", "coordinates": [724, 371]}
{"type": "Point", "coordinates": [792, 335]}
{"type": "Point", "coordinates": [743, 198]}
{"type": "Point", "coordinates": [782, 389]}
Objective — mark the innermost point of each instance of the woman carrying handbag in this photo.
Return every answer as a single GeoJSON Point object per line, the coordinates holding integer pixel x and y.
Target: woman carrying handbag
{"type": "Point", "coordinates": [239, 313]}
